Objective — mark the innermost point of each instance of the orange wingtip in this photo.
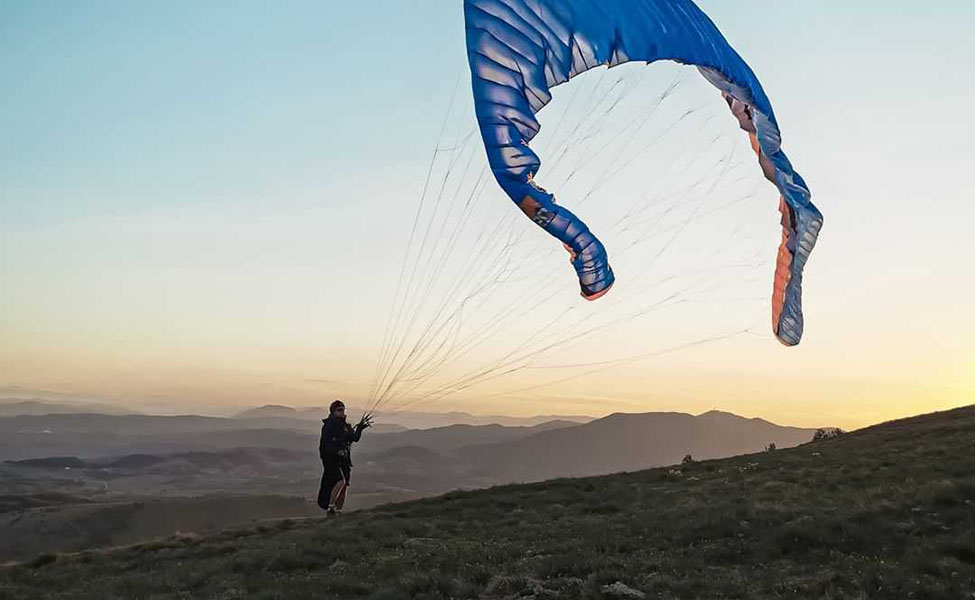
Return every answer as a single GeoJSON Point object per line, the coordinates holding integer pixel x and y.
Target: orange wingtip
{"type": "Point", "coordinates": [783, 270]}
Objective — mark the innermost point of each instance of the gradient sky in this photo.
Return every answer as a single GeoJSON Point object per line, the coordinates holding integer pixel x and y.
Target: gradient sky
{"type": "Point", "coordinates": [182, 184]}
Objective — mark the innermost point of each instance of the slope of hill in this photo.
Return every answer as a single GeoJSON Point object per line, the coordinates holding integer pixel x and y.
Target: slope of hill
{"type": "Point", "coordinates": [78, 525]}
{"type": "Point", "coordinates": [885, 512]}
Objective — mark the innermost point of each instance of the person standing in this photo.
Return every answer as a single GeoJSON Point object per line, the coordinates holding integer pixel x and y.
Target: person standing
{"type": "Point", "coordinates": [335, 450]}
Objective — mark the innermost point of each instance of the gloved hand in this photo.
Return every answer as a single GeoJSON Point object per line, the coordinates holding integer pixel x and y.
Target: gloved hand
{"type": "Point", "coordinates": [364, 423]}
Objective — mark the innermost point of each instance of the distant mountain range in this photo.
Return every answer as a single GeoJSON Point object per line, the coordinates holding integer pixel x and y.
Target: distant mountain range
{"type": "Point", "coordinates": [619, 442]}
{"type": "Point", "coordinates": [12, 407]}
{"type": "Point", "coordinates": [409, 419]}
{"type": "Point", "coordinates": [287, 417]}
{"type": "Point", "coordinates": [453, 437]}
{"type": "Point", "coordinates": [96, 435]}
{"type": "Point", "coordinates": [143, 467]}
{"type": "Point", "coordinates": [630, 442]}
{"type": "Point", "coordinates": [91, 466]}
{"type": "Point", "coordinates": [280, 412]}
{"type": "Point", "coordinates": [553, 448]}
{"type": "Point", "coordinates": [413, 462]}
{"type": "Point", "coordinates": [423, 420]}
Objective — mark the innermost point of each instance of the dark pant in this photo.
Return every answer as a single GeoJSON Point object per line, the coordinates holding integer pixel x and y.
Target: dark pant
{"type": "Point", "coordinates": [335, 471]}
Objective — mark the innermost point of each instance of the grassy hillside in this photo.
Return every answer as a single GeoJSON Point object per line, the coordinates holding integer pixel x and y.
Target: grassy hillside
{"type": "Point", "coordinates": [886, 512]}
{"type": "Point", "coordinates": [69, 524]}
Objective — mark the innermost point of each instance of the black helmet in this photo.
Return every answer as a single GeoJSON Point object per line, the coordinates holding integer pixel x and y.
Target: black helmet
{"type": "Point", "coordinates": [335, 404]}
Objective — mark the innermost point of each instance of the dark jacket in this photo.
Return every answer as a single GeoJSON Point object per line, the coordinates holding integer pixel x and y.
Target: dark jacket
{"type": "Point", "coordinates": [337, 439]}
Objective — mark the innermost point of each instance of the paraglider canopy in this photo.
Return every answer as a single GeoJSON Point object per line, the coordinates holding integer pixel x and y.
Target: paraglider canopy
{"type": "Point", "coordinates": [519, 49]}
{"type": "Point", "coordinates": [480, 296]}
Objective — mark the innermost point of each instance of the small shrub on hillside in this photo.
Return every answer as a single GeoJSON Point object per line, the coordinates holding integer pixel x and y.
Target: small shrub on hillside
{"type": "Point", "coordinates": [827, 433]}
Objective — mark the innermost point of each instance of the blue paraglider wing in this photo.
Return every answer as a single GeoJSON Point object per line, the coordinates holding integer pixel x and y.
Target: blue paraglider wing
{"type": "Point", "coordinates": [519, 49]}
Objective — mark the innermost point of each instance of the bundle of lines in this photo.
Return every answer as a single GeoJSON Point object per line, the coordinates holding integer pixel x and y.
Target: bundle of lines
{"type": "Point", "coordinates": [648, 156]}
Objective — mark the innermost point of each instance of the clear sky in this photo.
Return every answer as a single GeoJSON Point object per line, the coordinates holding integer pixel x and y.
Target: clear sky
{"type": "Point", "coordinates": [203, 204]}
